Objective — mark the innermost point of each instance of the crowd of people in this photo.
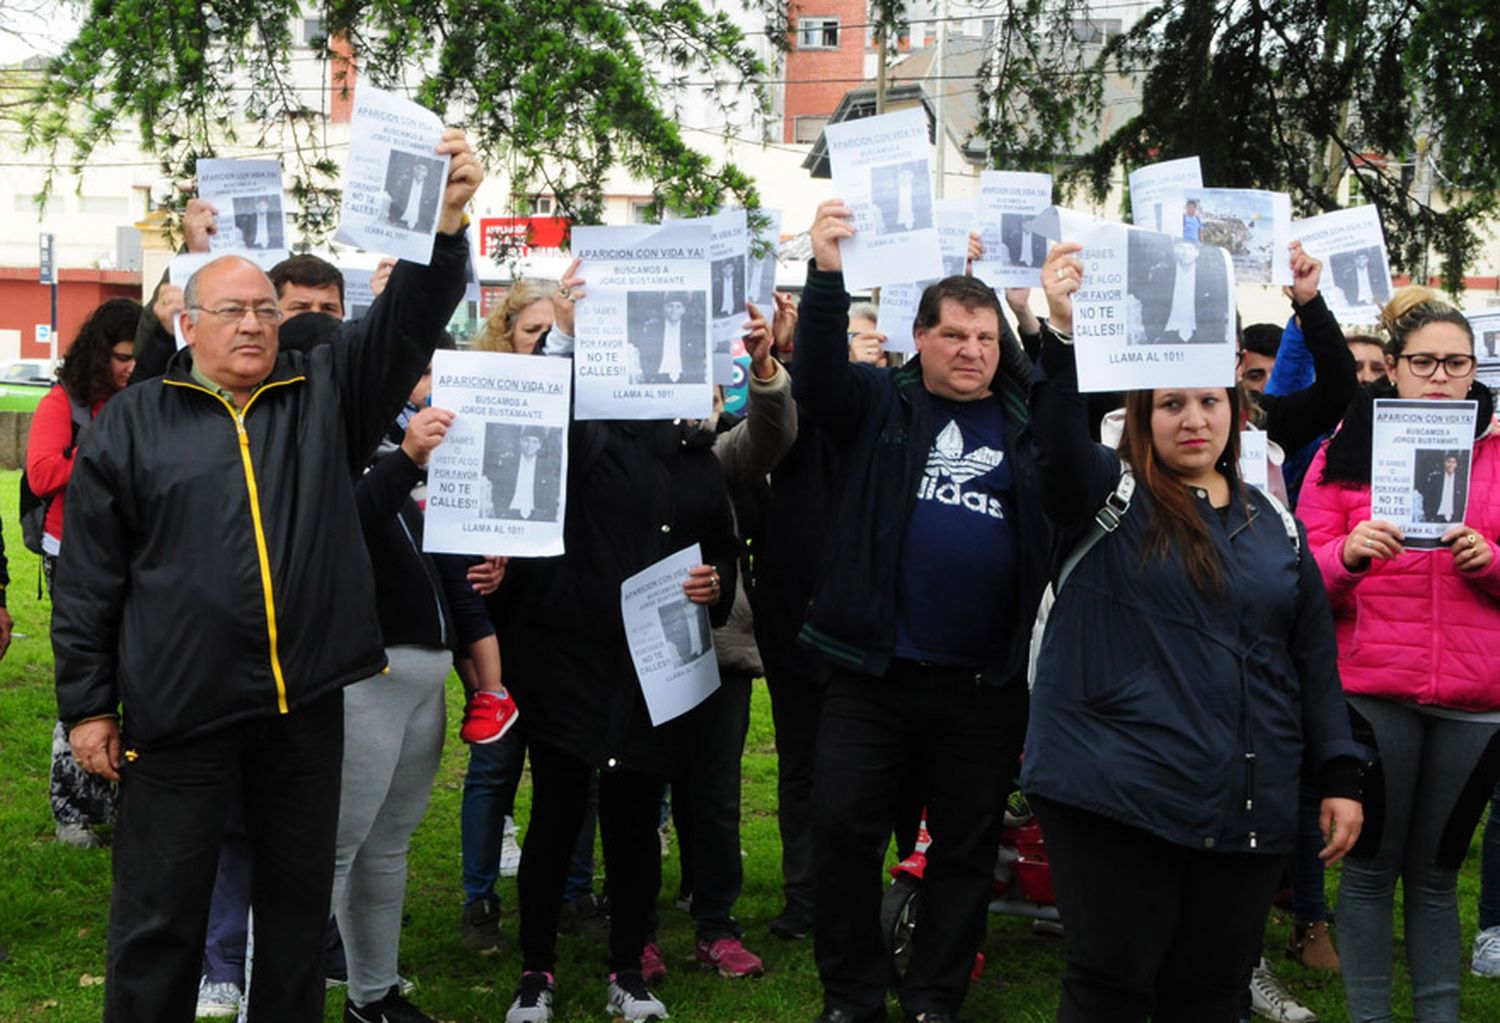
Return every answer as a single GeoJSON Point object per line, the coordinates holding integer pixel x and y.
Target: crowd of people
{"type": "Point", "coordinates": [1228, 687]}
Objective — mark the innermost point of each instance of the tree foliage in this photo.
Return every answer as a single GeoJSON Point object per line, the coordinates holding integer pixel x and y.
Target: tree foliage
{"type": "Point", "coordinates": [556, 91]}
{"type": "Point", "coordinates": [1291, 95]}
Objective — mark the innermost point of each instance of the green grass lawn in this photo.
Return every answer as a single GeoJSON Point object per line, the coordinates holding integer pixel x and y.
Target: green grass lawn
{"type": "Point", "coordinates": [54, 899]}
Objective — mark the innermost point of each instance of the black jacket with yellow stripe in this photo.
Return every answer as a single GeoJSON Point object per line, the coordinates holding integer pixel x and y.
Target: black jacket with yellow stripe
{"type": "Point", "coordinates": [214, 569]}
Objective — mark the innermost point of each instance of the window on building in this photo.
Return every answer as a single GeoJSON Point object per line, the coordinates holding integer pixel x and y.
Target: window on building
{"type": "Point", "coordinates": [987, 28]}
{"type": "Point", "coordinates": [313, 31]}
{"type": "Point", "coordinates": [640, 211]}
{"type": "Point", "coordinates": [817, 33]}
{"type": "Point", "coordinates": [27, 204]}
{"type": "Point", "coordinates": [806, 129]}
{"type": "Point", "coordinates": [541, 206]}
{"type": "Point", "coordinates": [104, 205]}
{"type": "Point", "coordinates": [1096, 31]}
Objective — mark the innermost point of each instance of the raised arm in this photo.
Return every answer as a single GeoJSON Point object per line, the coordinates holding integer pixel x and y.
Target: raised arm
{"type": "Point", "coordinates": [1296, 420]}
{"type": "Point", "coordinates": [759, 442]}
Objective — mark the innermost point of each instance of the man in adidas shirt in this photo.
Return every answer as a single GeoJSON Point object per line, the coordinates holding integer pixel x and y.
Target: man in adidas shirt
{"type": "Point", "coordinates": [929, 585]}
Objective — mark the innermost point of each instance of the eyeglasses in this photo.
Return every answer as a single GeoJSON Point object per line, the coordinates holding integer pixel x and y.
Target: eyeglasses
{"type": "Point", "coordinates": [267, 314]}
{"type": "Point", "coordinates": [1456, 366]}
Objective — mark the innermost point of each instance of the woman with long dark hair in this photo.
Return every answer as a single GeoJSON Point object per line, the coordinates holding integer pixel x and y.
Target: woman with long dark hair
{"type": "Point", "coordinates": [1185, 684]}
{"type": "Point", "coordinates": [1416, 635]}
{"type": "Point", "coordinates": [97, 366]}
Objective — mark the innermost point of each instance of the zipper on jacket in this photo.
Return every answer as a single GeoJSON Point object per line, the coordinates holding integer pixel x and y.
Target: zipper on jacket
{"type": "Point", "coordinates": [261, 551]}
{"type": "Point", "coordinates": [437, 600]}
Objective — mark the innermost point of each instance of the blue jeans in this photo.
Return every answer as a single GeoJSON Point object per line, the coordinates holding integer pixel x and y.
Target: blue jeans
{"type": "Point", "coordinates": [490, 785]}
{"type": "Point", "coordinates": [1309, 905]}
{"type": "Point", "coordinates": [1489, 868]}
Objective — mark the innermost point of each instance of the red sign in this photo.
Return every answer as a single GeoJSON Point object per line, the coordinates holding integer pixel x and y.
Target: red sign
{"type": "Point", "coordinates": [530, 236]}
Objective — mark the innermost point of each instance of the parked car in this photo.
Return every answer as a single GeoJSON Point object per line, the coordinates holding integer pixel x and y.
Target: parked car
{"type": "Point", "coordinates": [23, 382]}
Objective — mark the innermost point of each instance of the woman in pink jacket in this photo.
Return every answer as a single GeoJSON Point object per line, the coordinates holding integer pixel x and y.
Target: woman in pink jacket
{"type": "Point", "coordinates": [1417, 632]}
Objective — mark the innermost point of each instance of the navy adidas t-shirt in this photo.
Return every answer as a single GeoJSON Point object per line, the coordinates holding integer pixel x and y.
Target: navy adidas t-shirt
{"type": "Point", "coordinates": [956, 593]}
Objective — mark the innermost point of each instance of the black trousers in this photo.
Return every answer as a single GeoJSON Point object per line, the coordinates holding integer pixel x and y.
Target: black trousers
{"type": "Point", "coordinates": [629, 807]}
{"type": "Point", "coordinates": [1155, 930]}
{"type": "Point", "coordinates": [796, 697]}
{"type": "Point", "coordinates": [174, 800]}
{"type": "Point", "coordinates": [706, 803]}
{"type": "Point", "coordinates": [960, 742]}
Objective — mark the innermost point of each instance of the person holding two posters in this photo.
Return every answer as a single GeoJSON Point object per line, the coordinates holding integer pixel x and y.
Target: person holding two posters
{"type": "Point", "coordinates": [1415, 632]}
{"type": "Point", "coordinates": [637, 491]}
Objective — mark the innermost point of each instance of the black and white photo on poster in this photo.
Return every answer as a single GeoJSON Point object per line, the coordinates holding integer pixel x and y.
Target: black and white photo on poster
{"type": "Point", "coordinates": [495, 485]}
{"type": "Point", "coordinates": [1178, 292]}
{"type": "Point", "coordinates": [765, 245]}
{"type": "Point", "coordinates": [729, 286]}
{"type": "Point", "coordinates": [668, 338]}
{"type": "Point", "coordinates": [670, 643]}
{"type": "Point", "coordinates": [394, 178]}
{"type": "Point", "coordinates": [413, 190]}
{"type": "Point", "coordinates": [882, 170]}
{"type": "Point", "coordinates": [258, 218]}
{"type": "Point", "coordinates": [1419, 466]}
{"type": "Point", "coordinates": [523, 465]}
{"type": "Point", "coordinates": [1360, 276]}
{"type": "Point", "coordinates": [642, 341]}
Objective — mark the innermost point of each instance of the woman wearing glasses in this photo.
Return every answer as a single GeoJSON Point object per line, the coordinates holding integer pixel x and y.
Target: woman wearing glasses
{"type": "Point", "coordinates": [1415, 630]}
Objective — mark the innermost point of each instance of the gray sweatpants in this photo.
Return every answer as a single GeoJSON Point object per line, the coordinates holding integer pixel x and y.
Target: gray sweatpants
{"type": "Point", "coordinates": [1435, 772]}
{"type": "Point", "coordinates": [393, 740]}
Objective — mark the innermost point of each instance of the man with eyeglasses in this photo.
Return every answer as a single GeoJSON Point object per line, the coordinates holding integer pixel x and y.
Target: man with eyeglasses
{"type": "Point", "coordinates": [218, 598]}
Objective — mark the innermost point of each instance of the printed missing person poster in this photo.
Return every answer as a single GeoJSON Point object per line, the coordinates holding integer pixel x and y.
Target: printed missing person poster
{"type": "Point", "coordinates": [1255, 458]}
{"type": "Point", "coordinates": [1253, 226]}
{"type": "Point", "coordinates": [1158, 194]}
{"type": "Point", "coordinates": [247, 195]}
{"type": "Point", "coordinates": [1356, 271]}
{"type": "Point", "coordinates": [882, 170]}
{"type": "Point", "coordinates": [1419, 471]}
{"type": "Point", "coordinates": [394, 181]}
{"type": "Point", "coordinates": [1486, 326]}
{"type": "Point", "coordinates": [642, 347]}
{"type": "Point", "coordinates": [728, 254]}
{"type": "Point", "coordinates": [1013, 252]}
{"type": "Point", "coordinates": [358, 296]}
{"type": "Point", "coordinates": [898, 302]}
{"type": "Point", "coordinates": [760, 286]}
{"type": "Point", "coordinates": [1153, 310]}
{"type": "Point", "coordinates": [497, 482]}
{"type": "Point", "coordinates": [670, 639]}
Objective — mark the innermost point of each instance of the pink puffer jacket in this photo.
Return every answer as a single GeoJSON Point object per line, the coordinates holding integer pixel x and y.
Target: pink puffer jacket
{"type": "Point", "coordinates": [1415, 628]}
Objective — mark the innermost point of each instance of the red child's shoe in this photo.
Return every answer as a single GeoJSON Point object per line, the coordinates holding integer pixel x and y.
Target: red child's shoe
{"type": "Point", "coordinates": [487, 717]}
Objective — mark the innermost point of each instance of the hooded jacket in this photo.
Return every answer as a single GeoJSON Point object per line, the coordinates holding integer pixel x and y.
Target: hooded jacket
{"type": "Point", "coordinates": [215, 570]}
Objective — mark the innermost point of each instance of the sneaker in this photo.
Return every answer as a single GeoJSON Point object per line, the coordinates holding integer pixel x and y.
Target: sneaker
{"type": "Point", "coordinates": [218, 998]}
{"type": "Point", "coordinates": [730, 957]}
{"type": "Point", "coordinates": [479, 927]}
{"type": "Point", "coordinates": [510, 850]}
{"type": "Point", "coordinates": [794, 923]}
{"type": "Point", "coordinates": [653, 966]}
{"type": "Point", "coordinates": [487, 717]}
{"type": "Point", "coordinates": [1486, 961]}
{"type": "Point", "coordinates": [1269, 1000]}
{"type": "Point", "coordinates": [628, 998]}
{"type": "Point", "coordinates": [79, 836]}
{"type": "Point", "coordinates": [587, 917]}
{"type": "Point", "coordinates": [1312, 946]}
{"type": "Point", "coordinates": [392, 1008]}
{"type": "Point", "coordinates": [533, 1002]}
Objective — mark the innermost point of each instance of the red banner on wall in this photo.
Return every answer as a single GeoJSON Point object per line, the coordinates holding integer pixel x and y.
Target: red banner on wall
{"type": "Point", "coordinates": [530, 236]}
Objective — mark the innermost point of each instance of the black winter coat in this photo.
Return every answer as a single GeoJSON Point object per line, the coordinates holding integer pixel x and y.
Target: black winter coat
{"type": "Point", "coordinates": [215, 570]}
{"type": "Point", "coordinates": [637, 492]}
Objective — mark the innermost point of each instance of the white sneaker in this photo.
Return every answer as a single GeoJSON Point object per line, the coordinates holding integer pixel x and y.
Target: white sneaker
{"type": "Point", "coordinates": [628, 998]}
{"type": "Point", "coordinates": [1269, 1000]}
{"type": "Point", "coordinates": [510, 850]}
{"type": "Point", "coordinates": [218, 999]}
{"type": "Point", "coordinates": [1486, 961]}
{"type": "Point", "coordinates": [533, 1002]}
